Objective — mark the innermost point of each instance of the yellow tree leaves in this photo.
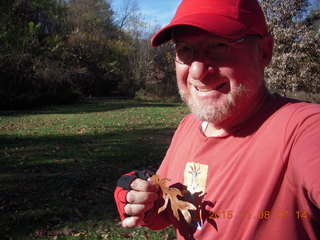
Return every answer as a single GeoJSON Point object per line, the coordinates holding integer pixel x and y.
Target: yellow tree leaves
{"type": "Point", "coordinates": [171, 194]}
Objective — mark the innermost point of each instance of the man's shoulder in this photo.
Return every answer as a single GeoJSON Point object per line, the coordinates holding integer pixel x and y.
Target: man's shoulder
{"type": "Point", "coordinates": [295, 108]}
{"type": "Point", "coordinates": [296, 115]}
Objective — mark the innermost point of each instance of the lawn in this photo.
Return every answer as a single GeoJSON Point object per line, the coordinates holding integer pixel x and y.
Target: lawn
{"type": "Point", "coordinates": [59, 166]}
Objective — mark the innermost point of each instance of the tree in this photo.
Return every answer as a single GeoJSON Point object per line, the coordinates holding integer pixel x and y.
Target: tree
{"type": "Point", "coordinates": [128, 14]}
{"type": "Point", "coordinates": [87, 45]}
{"type": "Point", "coordinates": [295, 65]}
{"type": "Point", "coordinates": [29, 31]}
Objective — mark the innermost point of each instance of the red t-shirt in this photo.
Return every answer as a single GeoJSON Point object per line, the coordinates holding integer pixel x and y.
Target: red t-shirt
{"type": "Point", "coordinates": [260, 182]}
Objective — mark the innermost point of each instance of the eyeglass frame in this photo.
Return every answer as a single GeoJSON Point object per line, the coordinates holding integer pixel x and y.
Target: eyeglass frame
{"type": "Point", "coordinates": [233, 43]}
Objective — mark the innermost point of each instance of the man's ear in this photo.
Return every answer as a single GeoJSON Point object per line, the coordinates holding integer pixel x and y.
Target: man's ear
{"type": "Point", "coordinates": [266, 49]}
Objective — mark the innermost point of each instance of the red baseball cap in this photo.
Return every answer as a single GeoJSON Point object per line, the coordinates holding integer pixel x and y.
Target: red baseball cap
{"type": "Point", "coordinates": [225, 18]}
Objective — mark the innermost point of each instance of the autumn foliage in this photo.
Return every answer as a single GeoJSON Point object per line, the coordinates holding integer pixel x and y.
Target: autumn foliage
{"type": "Point", "coordinates": [296, 56]}
{"type": "Point", "coordinates": [56, 51]}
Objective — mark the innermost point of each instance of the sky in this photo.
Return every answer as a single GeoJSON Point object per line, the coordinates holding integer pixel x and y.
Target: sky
{"type": "Point", "coordinates": [158, 12]}
{"type": "Point", "coordinates": [154, 11]}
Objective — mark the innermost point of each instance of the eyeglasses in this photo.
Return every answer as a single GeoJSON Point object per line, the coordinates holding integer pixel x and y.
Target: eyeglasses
{"type": "Point", "coordinates": [215, 50]}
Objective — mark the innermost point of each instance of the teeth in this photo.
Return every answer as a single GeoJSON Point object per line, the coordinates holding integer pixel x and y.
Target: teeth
{"type": "Point", "coordinates": [205, 90]}
{"type": "Point", "coordinates": [210, 89]}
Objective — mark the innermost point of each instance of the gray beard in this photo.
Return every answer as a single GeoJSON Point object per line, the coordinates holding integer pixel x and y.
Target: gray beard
{"type": "Point", "coordinates": [216, 115]}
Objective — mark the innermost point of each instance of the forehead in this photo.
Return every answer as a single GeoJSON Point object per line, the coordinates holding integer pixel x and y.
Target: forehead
{"type": "Point", "coordinates": [189, 33]}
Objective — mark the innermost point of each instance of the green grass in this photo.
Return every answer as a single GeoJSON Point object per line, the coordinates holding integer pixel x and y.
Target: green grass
{"type": "Point", "coordinates": [59, 166]}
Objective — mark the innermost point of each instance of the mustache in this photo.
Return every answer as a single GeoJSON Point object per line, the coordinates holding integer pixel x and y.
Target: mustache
{"type": "Point", "coordinates": [216, 114]}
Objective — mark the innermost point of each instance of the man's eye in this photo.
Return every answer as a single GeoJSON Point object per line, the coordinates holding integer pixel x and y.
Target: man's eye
{"type": "Point", "coordinates": [182, 49]}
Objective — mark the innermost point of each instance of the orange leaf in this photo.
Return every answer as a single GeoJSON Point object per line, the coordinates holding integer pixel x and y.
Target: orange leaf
{"type": "Point", "coordinates": [171, 194]}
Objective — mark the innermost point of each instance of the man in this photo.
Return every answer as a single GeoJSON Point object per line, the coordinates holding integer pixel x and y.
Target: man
{"type": "Point", "coordinates": [249, 160]}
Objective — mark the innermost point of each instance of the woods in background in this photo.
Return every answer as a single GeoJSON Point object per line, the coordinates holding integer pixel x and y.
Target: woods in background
{"type": "Point", "coordinates": [55, 51]}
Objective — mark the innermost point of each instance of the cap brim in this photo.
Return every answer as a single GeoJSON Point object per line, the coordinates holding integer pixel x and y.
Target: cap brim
{"type": "Point", "coordinates": [212, 23]}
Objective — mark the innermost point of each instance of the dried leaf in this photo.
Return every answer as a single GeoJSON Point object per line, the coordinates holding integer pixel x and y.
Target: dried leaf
{"type": "Point", "coordinates": [171, 194]}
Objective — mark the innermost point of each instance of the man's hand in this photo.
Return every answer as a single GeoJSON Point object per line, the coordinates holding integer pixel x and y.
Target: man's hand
{"type": "Point", "coordinates": [135, 195]}
{"type": "Point", "coordinates": [139, 200]}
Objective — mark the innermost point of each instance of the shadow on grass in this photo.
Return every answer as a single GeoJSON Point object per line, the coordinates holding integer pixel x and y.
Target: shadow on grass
{"type": "Point", "coordinates": [49, 183]}
{"type": "Point", "coordinates": [89, 106]}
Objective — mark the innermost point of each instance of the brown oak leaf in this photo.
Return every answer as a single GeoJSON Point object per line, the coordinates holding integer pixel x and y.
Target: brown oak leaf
{"type": "Point", "coordinates": [171, 194]}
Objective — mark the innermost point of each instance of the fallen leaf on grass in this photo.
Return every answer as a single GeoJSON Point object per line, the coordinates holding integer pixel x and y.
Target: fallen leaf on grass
{"type": "Point", "coordinates": [80, 234]}
{"type": "Point", "coordinates": [171, 194]}
{"type": "Point", "coordinates": [105, 236]}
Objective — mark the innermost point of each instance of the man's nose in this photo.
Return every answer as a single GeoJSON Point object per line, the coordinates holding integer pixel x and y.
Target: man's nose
{"type": "Point", "coordinates": [199, 69]}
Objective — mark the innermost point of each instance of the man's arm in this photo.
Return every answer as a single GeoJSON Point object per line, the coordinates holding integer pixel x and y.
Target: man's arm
{"type": "Point", "coordinates": [304, 127]}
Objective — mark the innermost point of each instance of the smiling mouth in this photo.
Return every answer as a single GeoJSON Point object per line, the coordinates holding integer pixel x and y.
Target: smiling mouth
{"type": "Point", "coordinates": [211, 89]}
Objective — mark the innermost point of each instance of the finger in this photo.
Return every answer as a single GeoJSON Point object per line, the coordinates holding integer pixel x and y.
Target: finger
{"type": "Point", "coordinates": [137, 209]}
{"type": "Point", "coordinates": [130, 222]}
{"type": "Point", "coordinates": [143, 186]}
{"type": "Point", "coordinates": [141, 197]}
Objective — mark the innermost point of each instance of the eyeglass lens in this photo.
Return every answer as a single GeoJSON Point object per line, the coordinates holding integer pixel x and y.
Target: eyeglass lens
{"type": "Point", "coordinates": [184, 53]}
